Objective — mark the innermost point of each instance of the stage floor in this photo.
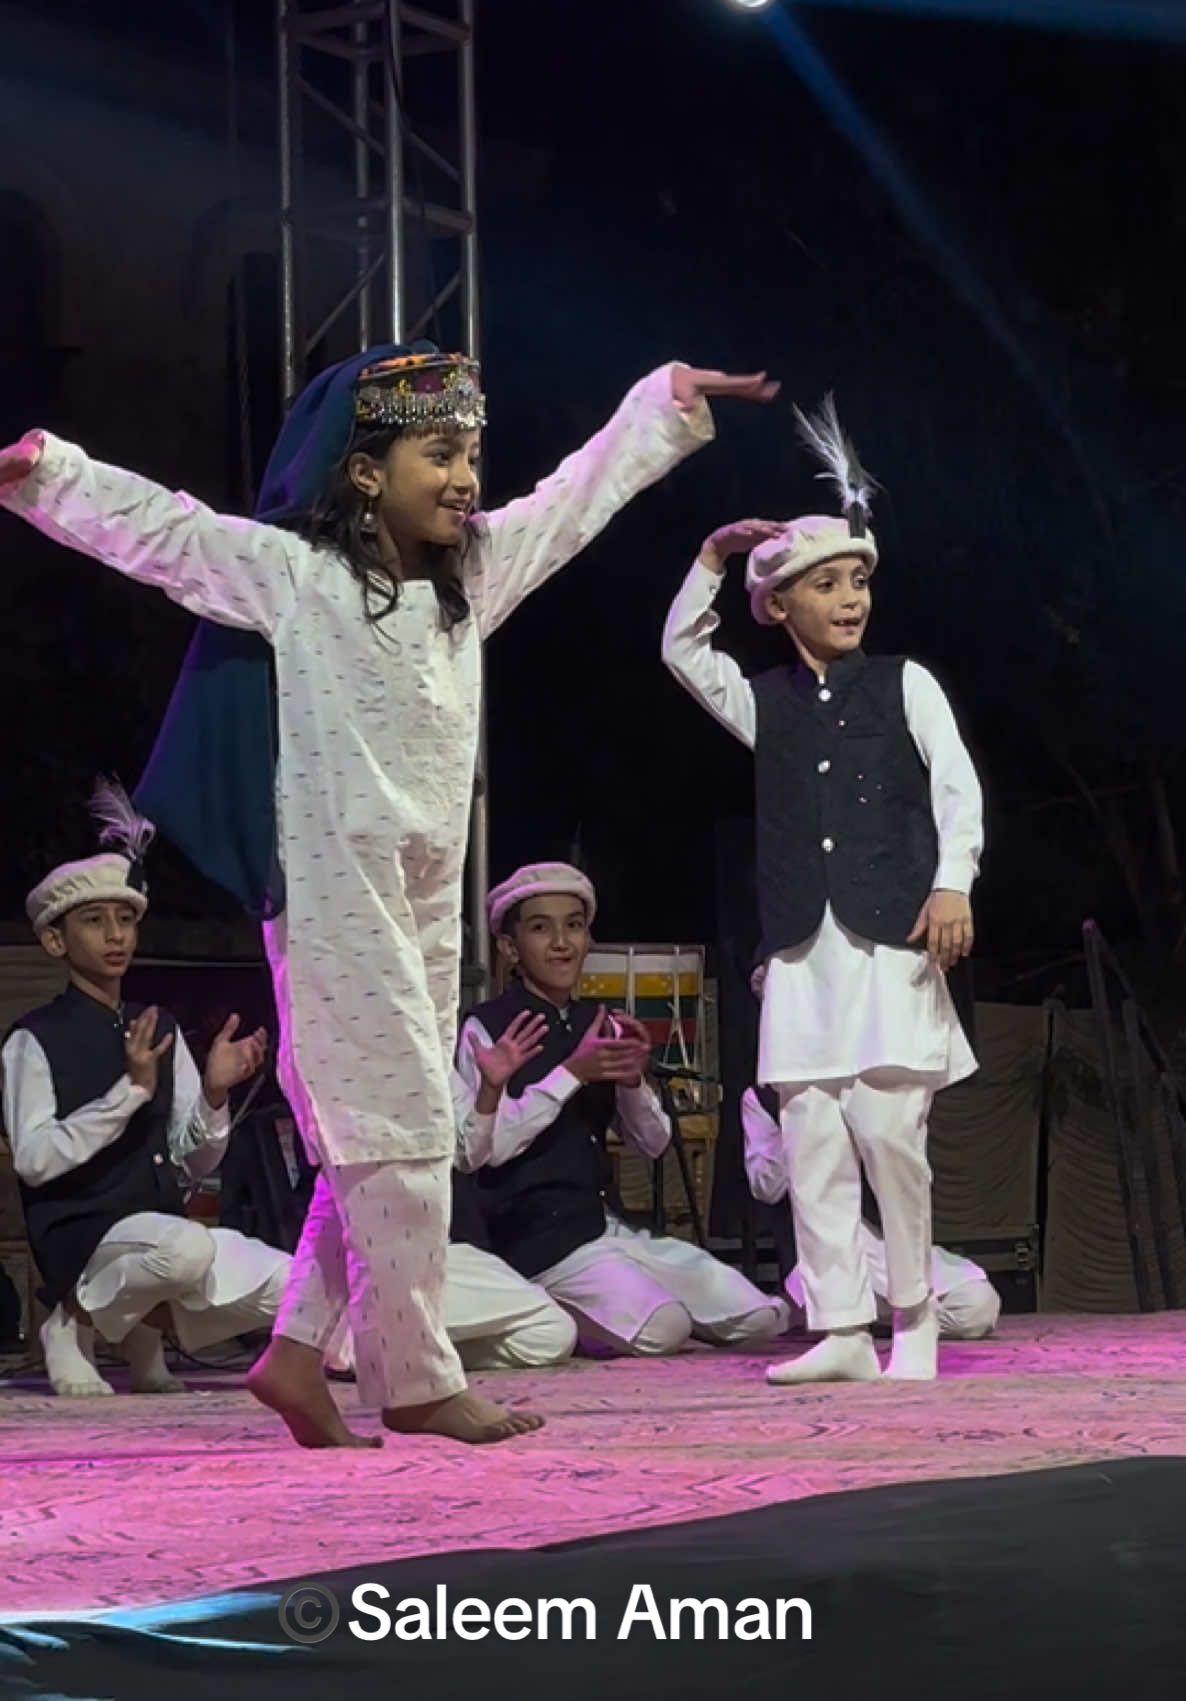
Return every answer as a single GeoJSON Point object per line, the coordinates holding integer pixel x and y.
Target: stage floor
{"type": "Point", "coordinates": [134, 1501]}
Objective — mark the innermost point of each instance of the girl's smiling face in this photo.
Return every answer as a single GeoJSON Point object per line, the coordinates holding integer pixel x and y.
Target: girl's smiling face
{"type": "Point", "coordinates": [424, 489]}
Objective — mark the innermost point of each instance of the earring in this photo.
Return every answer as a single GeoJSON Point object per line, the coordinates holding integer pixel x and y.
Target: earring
{"type": "Point", "coordinates": [369, 524]}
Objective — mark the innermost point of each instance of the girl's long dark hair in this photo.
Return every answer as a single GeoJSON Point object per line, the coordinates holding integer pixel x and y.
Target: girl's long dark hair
{"type": "Point", "coordinates": [335, 522]}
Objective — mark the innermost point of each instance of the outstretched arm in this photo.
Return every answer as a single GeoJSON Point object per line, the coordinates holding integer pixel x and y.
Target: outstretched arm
{"type": "Point", "coordinates": [660, 422]}
{"type": "Point", "coordinates": [229, 570]}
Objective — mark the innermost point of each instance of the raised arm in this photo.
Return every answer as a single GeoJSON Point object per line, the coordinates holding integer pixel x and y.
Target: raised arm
{"type": "Point", "coordinates": [660, 422]}
{"type": "Point", "coordinates": [44, 1145]}
{"type": "Point", "coordinates": [229, 570]}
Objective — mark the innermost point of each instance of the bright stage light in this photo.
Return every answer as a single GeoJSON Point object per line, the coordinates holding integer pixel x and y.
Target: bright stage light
{"type": "Point", "coordinates": [751, 5]}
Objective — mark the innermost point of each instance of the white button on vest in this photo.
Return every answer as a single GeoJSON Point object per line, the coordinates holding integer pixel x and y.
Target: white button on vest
{"type": "Point", "coordinates": [825, 695]}
{"type": "Point", "coordinates": [157, 1158]}
{"type": "Point", "coordinates": [824, 767]}
{"type": "Point", "coordinates": [829, 844]}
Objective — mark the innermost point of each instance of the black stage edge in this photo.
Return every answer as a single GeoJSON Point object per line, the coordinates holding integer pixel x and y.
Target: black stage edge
{"type": "Point", "coordinates": [1035, 1587]}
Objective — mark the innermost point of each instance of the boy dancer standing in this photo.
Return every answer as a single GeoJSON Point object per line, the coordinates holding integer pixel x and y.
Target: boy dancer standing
{"type": "Point", "coordinates": [868, 822]}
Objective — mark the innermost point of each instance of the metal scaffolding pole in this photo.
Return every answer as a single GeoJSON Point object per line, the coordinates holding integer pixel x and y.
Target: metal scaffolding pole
{"type": "Point", "coordinates": [378, 220]}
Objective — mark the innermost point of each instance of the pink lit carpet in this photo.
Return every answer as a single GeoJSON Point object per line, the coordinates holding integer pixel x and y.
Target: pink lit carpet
{"type": "Point", "coordinates": [133, 1501]}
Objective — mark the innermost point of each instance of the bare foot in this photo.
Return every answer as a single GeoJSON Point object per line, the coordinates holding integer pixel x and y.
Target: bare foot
{"type": "Point", "coordinates": [69, 1348]}
{"type": "Point", "coordinates": [289, 1380]}
{"type": "Point", "coordinates": [461, 1417]}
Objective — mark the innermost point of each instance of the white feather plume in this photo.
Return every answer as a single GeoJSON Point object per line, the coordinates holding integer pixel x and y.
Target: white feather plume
{"type": "Point", "coordinates": [825, 437]}
{"type": "Point", "coordinates": [120, 824]}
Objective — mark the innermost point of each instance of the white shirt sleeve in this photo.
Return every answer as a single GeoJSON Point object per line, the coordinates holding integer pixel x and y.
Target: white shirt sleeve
{"type": "Point", "coordinates": [230, 570]}
{"type": "Point", "coordinates": [764, 1162]}
{"type": "Point", "coordinates": [523, 544]}
{"type": "Point", "coordinates": [640, 1119]}
{"type": "Point", "coordinates": [496, 1139]}
{"type": "Point", "coordinates": [44, 1145]}
{"type": "Point", "coordinates": [713, 678]}
{"type": "Point", "coordinates": [956, 798]}
{"type": "Point", "coordinates": [197, 1132]}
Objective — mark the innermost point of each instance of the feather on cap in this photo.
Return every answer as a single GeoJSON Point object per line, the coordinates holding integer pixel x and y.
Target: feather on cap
{"type": "Point", "coordinates": [120, 822]}
{"type": "Point", "coordinates": [824, 437]}
{"type": "Point", "coordinates": [115, 876]}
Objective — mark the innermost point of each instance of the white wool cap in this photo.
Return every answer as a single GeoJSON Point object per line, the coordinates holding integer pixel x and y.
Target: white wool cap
{"type": "Point", "coordinates": [804, 543]}
{"type": "Point", "coordinates": [96, 879]}
{"type": "Point", "coordinates": [540, 880]}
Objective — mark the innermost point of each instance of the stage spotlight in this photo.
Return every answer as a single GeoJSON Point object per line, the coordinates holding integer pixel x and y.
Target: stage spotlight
{"type": "Point", "coordinates": [751, 5]}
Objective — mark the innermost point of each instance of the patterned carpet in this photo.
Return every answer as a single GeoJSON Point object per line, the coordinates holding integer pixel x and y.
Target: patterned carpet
{"type": "Point", "coordinates": [132, 1501]}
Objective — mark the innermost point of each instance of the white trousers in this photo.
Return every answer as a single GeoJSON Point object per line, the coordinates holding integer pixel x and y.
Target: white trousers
{"type": "Point", "coordinates": [375, 1236]}
{"type": "Point", "coordinates": [630, 1291]}
{"type": "Point", "coordinates": [829, 1130]}
{"type": "Point", "coordinates": [966, 1313]}
{"type": "Point", "coordinates": [216, 1282]}
{"type": "Point", "coordinates": [495, 1317]}
{"type": "Point", "coordinates": [373, 1247]}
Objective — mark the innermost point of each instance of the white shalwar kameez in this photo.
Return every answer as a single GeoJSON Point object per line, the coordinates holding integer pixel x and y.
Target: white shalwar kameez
{"type": "Point", "coordinates": [378, 731]}
{"type": "Point", "coordinates": [629, 1291]}
{"type": "Point", "coordinates": [217, 1282]}
{"type": "Point", "coordinates": [856, 1036]}
{"type": "Point", "coordinates": [968, 1304]}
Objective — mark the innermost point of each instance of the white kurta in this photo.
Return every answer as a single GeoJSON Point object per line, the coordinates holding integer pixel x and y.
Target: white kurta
{"type": "Point", "coordinates": [236, 1282]}
{"type": "Point", "coordinates": [378, 735]}
{"type": "Point", "coordinates": [838, 1006]}
{"type": "Point", "coordinates": [615, 1284]}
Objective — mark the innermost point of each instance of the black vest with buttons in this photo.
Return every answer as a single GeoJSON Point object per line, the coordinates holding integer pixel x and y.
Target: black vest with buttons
{"type": "Point", "coordinates": [843, 804]}
{"type": "Point", "coordinates": [83, 1042]}
{"type": "Point", "coordinates": [551, 1199]}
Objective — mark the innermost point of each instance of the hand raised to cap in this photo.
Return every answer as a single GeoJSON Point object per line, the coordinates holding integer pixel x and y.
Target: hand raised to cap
{"type": "Point", "coordinates": [737, 538]}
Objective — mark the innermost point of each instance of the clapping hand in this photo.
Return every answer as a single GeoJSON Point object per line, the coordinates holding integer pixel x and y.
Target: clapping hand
{"type": "Point", "coordinates": [232, 1061]}
{"type": "Point", "coordinates": [142, 1055]}
{"type": "Point", "coordinates": [522, 1040]}
{"type": "Point", "coordinates": [603, 1056]}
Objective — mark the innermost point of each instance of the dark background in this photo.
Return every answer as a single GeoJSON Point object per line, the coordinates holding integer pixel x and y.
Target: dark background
{"type": "Point", "coordinates": [975, 232]}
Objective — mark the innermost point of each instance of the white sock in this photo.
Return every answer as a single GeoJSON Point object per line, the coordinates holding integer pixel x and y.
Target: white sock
{"type": "Point", "coordinates": [915, 1355]}
{"type": "Point", "coordinates": [845, 1355]}
{"type": "Point", "coordinates": [144, 1350]}
{"type": "Point", "coordinates": [69, 1348]}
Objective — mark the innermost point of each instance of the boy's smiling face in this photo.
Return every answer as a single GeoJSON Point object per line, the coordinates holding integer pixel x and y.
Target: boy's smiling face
{"type": "Point", "coordinates": [826, 609]}
{"type": "Point", "coordinates": [548, 942]}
